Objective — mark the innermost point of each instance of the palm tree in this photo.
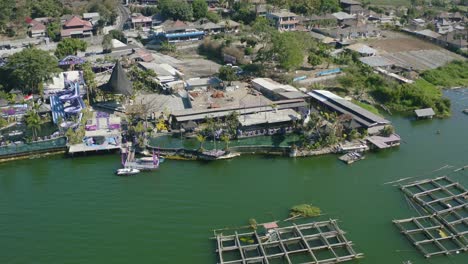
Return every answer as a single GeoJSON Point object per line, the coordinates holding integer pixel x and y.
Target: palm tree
{"type": "Point", "coordinates": [201, 139]}
{"type": "Point", "coordinates": [33, 121]}
{"type": "Point", "coordinates": [226, 139]}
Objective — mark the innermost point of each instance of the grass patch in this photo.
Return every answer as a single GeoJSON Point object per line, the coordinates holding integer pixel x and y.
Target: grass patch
{"type": "Point", "coordinates": [368, 107]}
{"type": "Point", "coordinates": [451, 75]}
{"type": "Point", "coordinates": [391, 2]}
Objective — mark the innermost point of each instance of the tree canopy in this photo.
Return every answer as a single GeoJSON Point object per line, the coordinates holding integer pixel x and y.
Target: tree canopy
{"type": "Point", "coordinates": [200, 9]}
{"type": "Point", "coordinates": [29, 68]}
{"type": "Point", "coordinates": [176, 9]}
{"type": "Point", "coordinates": [308, 6]}
{"type": "Point", "coordinates": [287, 50]}
{"type": "Point", "coordinates": [227, 73]}
{"type": "Point", "coordinates": [70, 46]}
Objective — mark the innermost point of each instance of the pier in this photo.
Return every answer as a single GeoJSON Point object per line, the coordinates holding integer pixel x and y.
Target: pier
{"type": "Point", "coordinates": [444, 230]}
{"type": "Point", "coordinates": [318, 242]}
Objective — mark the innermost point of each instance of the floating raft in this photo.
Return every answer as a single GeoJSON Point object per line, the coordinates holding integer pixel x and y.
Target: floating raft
{"type": "Point", "coordinates": [445, 230]}
{"type": "Point", "coordinates": [310, 243]}
{"type": "Point", "coordinates": [351, 157]}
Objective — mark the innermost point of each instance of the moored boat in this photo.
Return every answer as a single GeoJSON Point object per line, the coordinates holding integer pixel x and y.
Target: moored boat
{"type": "Point", "coordinates": [465, 111]}
{"type": "Point", "coordinates": [127, 171]}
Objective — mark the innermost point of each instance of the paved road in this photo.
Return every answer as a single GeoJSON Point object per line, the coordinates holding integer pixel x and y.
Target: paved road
{"type": "Point", "coordinates": [124, 14]}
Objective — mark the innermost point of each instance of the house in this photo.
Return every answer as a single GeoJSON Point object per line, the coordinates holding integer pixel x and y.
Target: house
{"type": "Point", "coordinates": [142, 55]}
{"type": "Point", "coordinates": [417, 24]}
{"type": "Point", "coordinates": [37, 29]}
{"type": "Point", "coordinates": [229, 25]}
{"type": "Point", "coordinates": [352, 7]}
{"type": "Point", "coordinates": [363, 119]}
{"type": "Point", "coordinates": [92, 17]}
{"type": "Point", "coordinates": [203, 83]}
{"type": "Point", "coordinates": [283, 20]}
{"type": "Point", "coordinates": [362, 49]}
{"type": "Point", "coordinates": [165, 73]}
{"type": "Point", "coordinates": [317, 21]}
{"type": "Point", "coordinates": [443, 26]}
{"type": "Point", "coordinates": [179, 31]}
{"type": "Point", "coordinates": [348, 33]}
{"type": "Point", "coordinates": [76, 28]}
{"type": "Point", "coordinates": [382, 19]}
{"type": "Point", "coordinates": [181, 118]}
{"type": "Point", "coordinates": [344, 18]}
{"type": "Point", "coordinates": [424, 113]}
{"type": "Point", "coordinates": [141, 22]}
{"type": "Point", "coordinates": [275, 90]}
{"type": "Point", "coordinates": [267, 123]}
{"type": "Point", "coordinates": [457, 39]}
{"type": "Point", "coordinates": [261, 10]}
{"type": "Point", "coordinates": [209, 27]}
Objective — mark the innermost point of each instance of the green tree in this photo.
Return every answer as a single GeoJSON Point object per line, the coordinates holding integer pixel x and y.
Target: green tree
{"type": "Point", "coordinates": [287, 50]}
{"type": "Point", "coordinates": [329, 6]}
{"type": "Point", "coordinates": [226, 139]}
{"type": "Point", "coordinates": [29, 68]}
{"type": "Point", "coordinates": [89, 78]}
{"type": "Point", "coordinates": [53, 31]}
{"type": "Point", "coordinates": [200, 9]}
{"type": "Point", "coordinates": [33, 122]}
{"type": "Point", "coordinates": [46, 8]}
{"type": "Point", "coordinates": [176, 9]}
{"type": "Point", "coordinates": [213, 17]}
{"type": "Point", "coordinates": [314, 59]}
{"type": "Point", "coordinates": [70, 46]}
{"type": "Point", "coordinates": [201, 139]}
{"type": "Point", "coordinates": [227, 73]}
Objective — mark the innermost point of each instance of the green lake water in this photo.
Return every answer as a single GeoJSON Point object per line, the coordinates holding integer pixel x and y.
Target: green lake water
{"type": "Point", "coordinates": [74, 210]}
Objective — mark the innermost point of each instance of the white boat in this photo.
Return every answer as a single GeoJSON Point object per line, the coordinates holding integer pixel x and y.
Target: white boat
{"type": "Point", "coordinates": [127, 171]}
{"type": "Point", "coordinates": [15, 133]}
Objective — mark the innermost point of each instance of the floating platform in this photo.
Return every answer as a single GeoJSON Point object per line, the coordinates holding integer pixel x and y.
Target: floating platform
{"type": "Point", "coordinates": [310, 243]}
{"type": "Point", "coordinates": [351, 157]}
{"type": "Point", "coordinates": [445, 230]}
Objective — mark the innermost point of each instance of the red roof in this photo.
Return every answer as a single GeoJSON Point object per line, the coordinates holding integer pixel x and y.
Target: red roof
{"type": "Point", "coordinates": [179, 23]}
{"type": "Point", "coordinates": [77, 22]}
{"type": "Point", "coordinates": [28, 20]}
{"type": "Point", "coordinates": [38, 26]}
{"type": "Point", "coordinates": [270, 225]}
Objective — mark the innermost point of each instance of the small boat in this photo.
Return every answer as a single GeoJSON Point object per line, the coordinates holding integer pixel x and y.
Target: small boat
{"type": "Point", "coordinates": [15, 133]}
{"type": "Point", "coordinates": [127, 171]}
{"type": "Point", "coordinates": [465, 111]}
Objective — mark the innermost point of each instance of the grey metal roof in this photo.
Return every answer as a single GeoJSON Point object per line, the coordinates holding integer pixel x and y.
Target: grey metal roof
{"type": "Point", "coordinates": [338, 104]}
{"type": "Point", "coordinates": [377, 61]}
{"type": "Point", "coordinates": [424, 112]}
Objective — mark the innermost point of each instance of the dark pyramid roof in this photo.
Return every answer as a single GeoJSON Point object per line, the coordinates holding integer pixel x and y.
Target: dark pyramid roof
{"type": "Point", "coordinates": [119, 82]}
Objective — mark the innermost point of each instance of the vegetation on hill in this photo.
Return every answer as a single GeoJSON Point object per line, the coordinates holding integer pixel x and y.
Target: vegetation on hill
{"type": "Point", "coordinates": [451, 75]}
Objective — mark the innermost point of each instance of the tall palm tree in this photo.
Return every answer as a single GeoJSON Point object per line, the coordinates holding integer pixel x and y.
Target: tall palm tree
{"type": "Point", "coordinates": [33, 122]}
{"type": "Point", "coordinates": [201, 139]}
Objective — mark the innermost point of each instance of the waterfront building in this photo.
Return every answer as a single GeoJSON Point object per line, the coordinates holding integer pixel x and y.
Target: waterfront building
{"type": "Point", "coordinates": [424, 113]}
{"type": "Point", "coordinates": [363, 119]}
{"type": "Point", "coordinates": [179, 31]}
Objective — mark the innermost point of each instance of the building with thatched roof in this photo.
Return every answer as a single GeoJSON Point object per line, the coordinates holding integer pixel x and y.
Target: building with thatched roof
{"type": "Point", "coordinates": [119, 83]}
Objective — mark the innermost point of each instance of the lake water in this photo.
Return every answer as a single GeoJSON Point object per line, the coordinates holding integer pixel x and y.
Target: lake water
{"type": "Point", "coordinates": [64, 210]}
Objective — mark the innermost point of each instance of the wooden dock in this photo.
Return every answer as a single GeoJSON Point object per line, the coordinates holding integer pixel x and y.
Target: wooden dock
{"type": "Point", "coordinates": [310, 243]}
{"type": "Point", "coordinates": [444, 230]}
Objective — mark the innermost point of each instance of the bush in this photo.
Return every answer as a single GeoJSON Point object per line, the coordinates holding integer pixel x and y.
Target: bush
{"type": "Point", "coordinates": [305, 210]}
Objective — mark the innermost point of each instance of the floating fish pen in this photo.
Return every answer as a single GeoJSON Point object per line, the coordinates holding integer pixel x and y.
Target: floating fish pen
{"type": "Point", "coordinates": [444, 230]}
{"type": "Point", "coordinates": [318, 242]}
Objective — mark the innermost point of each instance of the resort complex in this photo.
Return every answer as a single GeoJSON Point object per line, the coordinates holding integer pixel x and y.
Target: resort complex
{"type": "Point", "coordinates": [307, 100]}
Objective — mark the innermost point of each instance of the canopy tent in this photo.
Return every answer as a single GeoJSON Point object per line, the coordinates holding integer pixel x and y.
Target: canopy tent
{"type": "Point", "coordinates": [119, 82]}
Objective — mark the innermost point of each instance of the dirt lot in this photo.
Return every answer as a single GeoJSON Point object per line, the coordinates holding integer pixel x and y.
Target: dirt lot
{"type": "Point", "coordinates": [241, 96]}
{"type": "Point", "coordinates": [397, 42]}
